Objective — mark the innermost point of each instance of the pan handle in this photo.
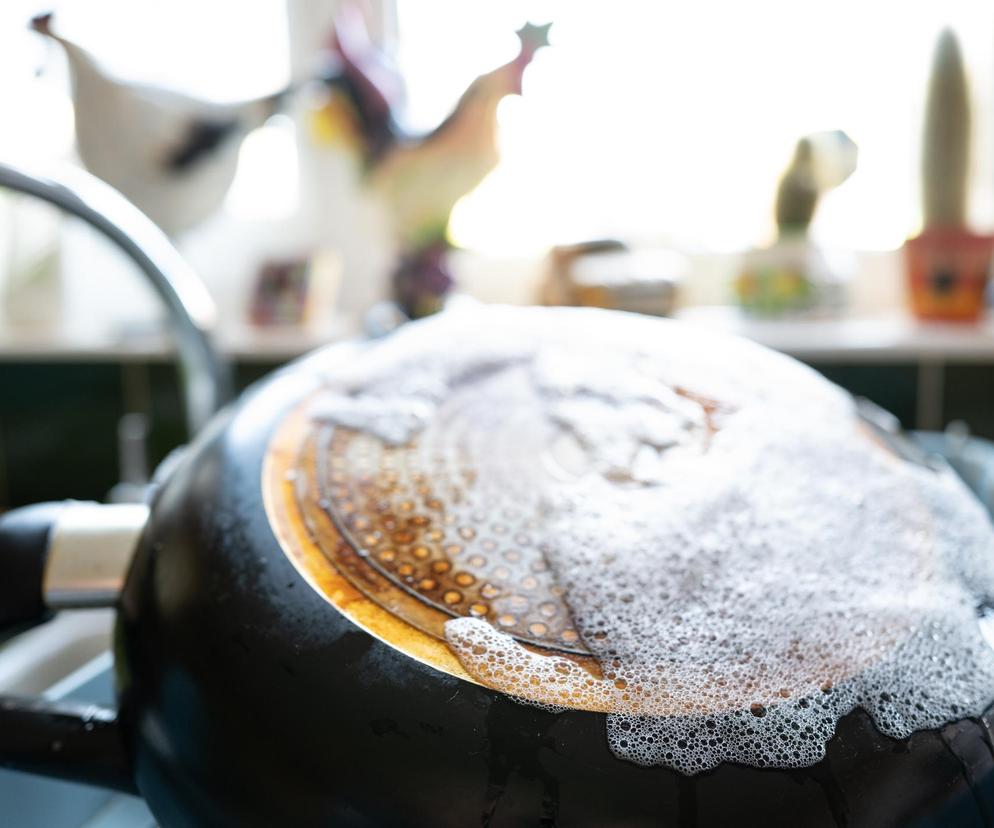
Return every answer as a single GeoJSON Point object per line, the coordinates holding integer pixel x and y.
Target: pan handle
{"type": "Point", "coordinates": [65, 740]}
{"type": "Point", "coordinates": [63, 555]}
{"type": "Point", "coordinates": [24, 537]}
{"type": "Point", "coordinates": [68, 555]}
{"type": "Point", "coordinates": [54, 556]}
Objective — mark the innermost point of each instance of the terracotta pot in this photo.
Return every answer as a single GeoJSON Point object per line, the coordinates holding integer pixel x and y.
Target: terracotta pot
{"type": "Point", "coordinates": [947, 271]}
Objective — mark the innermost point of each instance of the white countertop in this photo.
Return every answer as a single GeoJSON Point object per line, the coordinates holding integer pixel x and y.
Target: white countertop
{"type": "Point", "coordinates": [895, 337]}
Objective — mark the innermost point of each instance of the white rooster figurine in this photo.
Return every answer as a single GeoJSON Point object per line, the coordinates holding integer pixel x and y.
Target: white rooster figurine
{"type": "Point", "coordinates": [172, 155]}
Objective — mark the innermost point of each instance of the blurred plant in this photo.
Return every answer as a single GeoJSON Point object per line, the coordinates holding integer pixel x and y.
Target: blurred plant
{"type": "Point", "coordinates": [422, 279]}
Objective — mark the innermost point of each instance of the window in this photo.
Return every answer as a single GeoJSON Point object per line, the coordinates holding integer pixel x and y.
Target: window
{"type": "Point", "coordinates": [671, 122]}
{"type": "Point", "coordinates": [658, 122]}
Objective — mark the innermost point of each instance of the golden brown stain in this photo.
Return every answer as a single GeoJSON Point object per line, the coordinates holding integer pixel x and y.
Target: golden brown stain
{"type": "Point", "coordinates": [406, 579]}
{"type": "Point", "coordinates": [281, 468]}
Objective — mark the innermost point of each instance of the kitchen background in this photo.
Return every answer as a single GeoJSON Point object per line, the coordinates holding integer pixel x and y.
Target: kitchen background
{"type": "Point", "coordinates": [324, 166]}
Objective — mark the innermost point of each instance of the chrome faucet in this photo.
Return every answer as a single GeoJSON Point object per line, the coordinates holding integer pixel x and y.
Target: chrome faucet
{"type": "Point", "coordinates": [204, 376]}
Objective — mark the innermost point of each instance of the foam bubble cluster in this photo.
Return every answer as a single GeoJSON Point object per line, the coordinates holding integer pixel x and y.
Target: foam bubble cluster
{"type": "Point", "coordinates": [742, 561]}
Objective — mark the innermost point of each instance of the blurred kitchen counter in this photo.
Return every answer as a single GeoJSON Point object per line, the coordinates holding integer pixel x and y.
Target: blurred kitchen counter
{"type": "Point", "coordinates": [928, 373]}
{"type": "Point", "coordinates": [882, 338]}
{"type": "Point", "coordinates": [66, 388]}
{"type": "Point", "coordinates": [238, 342]}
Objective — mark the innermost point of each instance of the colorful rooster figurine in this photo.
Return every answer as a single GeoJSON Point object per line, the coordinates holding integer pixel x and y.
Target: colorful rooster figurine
{"type": "Point", "coordinates": [420, 178]}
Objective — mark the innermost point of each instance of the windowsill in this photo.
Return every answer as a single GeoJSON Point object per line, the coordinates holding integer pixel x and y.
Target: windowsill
{"type": "Point", "coordinates": [239, 342]}
{"type": "Point", "coordinates": [880, 338]}
{"type": "Point", "coordinates": [875, 328]}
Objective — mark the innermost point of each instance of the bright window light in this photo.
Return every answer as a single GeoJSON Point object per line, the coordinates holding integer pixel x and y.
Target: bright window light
{"type": "Point", "coordinates": [670, 123]}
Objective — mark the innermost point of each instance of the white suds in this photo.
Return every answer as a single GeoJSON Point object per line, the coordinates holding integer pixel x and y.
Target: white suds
{"type": "Point", "coordinates": [743, 561]}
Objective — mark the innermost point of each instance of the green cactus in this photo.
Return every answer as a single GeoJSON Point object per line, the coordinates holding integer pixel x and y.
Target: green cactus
{"type": "Point", "coordinates": [946, 139]}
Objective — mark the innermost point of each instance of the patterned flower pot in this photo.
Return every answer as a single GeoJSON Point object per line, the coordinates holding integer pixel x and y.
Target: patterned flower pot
{"type": "Point", "coordinates": [947, 270]}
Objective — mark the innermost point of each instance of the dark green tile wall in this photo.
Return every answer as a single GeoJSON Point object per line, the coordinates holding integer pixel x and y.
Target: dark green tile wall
{"type": "Point", "coordinates": [58, 422]}
{"type": "Point", "coordinates": [893, 387]}
{"type": "Point", "coordinates": [969, 396]}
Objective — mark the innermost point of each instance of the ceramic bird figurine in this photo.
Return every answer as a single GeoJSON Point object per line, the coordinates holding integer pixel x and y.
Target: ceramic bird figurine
{"type": "Point", "coordinates": [172, 155]}
{"type": "Point", "coordinates": [797, 193]}
{"type": "Point", "coordinates": [794, 275]}
{"type": "Point", "coordinates": [822, 160]}
{"type": "Point", "coordinates": [420, 178]}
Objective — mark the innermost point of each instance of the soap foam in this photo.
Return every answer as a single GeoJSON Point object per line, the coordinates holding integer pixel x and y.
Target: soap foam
{"type": "Point", "coordinates": [743, 561]}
